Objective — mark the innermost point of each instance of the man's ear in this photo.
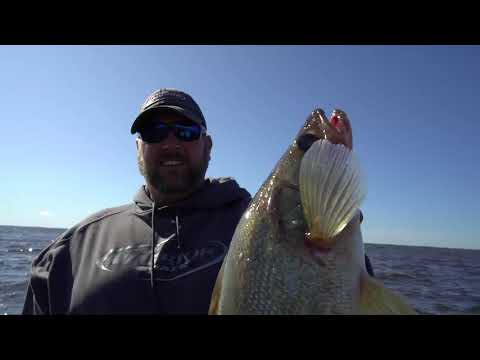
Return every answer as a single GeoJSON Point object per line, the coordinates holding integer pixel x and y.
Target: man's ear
{"type": "Point", "coordinates": [209, 144]}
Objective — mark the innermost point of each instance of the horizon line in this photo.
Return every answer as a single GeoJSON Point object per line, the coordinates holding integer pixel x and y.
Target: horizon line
{"type": "Point", "coordinates": [365, 243]}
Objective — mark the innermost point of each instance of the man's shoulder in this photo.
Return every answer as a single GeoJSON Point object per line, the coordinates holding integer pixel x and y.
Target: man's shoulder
{"type": "Point", "coordinates": [229, 187]}
{"type": "Point", "coordinates": [239, 196]}
{"type": "Point", "coordinates": [105, 213]}
{"type": "Point", "coordinates": [63, 241]}
{"type": "Point", "coordinates": [221, 180]}
{"type": "Point", "coordinates": [98, 217]}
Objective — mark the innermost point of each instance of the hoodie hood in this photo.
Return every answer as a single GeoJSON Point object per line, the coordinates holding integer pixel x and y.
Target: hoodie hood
{"type": "Point", "coordinates": [213, 194]}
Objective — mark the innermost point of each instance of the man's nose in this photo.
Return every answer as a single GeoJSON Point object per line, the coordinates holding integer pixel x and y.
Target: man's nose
{"type": "Point", "coordinates": [171, 142]}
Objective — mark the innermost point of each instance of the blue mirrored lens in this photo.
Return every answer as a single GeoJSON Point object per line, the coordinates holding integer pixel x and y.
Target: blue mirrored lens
{"type": "Point", "coordinates": [187, 132]}
{"type": "Point", "coordinates": [159, 132]}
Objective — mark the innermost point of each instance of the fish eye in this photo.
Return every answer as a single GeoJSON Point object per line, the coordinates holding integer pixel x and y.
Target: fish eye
{"type": "Point", "coordinates": [305, 141]}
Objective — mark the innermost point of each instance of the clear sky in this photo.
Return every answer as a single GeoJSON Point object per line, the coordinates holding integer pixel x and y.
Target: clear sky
{"type": "Point", "coordinates": [66, 113]}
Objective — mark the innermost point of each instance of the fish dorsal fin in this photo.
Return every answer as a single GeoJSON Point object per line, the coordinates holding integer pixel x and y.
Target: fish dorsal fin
{"type": "Point", "coordinates": [217, 290]}
{"type": "Point", "coordinates": [376, 299]}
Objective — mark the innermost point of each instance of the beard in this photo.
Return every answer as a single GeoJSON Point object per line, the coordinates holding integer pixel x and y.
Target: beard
{"type": "Point", "coordinates": [173, 181]}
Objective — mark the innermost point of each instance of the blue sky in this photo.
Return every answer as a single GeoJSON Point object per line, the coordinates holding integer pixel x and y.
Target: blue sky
{"type": "Point", "coordinates": [67, 110]}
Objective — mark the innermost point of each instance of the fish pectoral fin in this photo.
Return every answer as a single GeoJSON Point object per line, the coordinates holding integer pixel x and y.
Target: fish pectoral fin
{"type": "Point", "coordinates": [376, 299]}
{"type": "Point", "coordinates": [217, 290]}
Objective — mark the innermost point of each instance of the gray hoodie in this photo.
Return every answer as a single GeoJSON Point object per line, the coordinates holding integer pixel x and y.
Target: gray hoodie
{"type": "Point", "coordinates": [103, 265]}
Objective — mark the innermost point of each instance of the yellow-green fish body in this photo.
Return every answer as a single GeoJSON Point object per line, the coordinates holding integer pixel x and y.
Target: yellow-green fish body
{"type": "Point", "coordinates": [270, 268]}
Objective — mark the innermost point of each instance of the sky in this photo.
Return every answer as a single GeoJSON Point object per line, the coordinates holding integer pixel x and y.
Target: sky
{"type": "Point", "coordinates": [66, 113]}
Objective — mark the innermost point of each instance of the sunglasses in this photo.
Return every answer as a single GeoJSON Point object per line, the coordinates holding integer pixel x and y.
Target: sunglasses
{"type": "Point", "coordinates": [182, 131]}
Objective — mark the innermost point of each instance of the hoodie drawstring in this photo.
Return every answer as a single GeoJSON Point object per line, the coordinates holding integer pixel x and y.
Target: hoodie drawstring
{"type": "Point", "coordinates": [152, 282]}
{"type": "Point", "coordinates": [179, 245]}
{"type": "Point", "coordinates": [154, 243]}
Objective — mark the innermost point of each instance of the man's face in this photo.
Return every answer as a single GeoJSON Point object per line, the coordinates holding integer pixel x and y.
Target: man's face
{"type": "Point", "coordinates": [172, 165]}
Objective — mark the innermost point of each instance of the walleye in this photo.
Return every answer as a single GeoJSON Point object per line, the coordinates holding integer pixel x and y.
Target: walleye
{"type": "Point", "coordinates": [286, 257]}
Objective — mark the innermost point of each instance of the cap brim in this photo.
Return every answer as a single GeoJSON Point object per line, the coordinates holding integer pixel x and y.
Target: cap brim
{"type": "Point", "coordinates": [139, 121]}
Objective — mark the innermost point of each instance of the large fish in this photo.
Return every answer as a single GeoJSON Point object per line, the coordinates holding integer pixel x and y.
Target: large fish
{"type": "Point", "coordinates": [286, 259]}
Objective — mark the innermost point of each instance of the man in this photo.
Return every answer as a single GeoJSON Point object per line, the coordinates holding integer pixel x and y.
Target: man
{"type": "Point", "coordinates": [161, 253]}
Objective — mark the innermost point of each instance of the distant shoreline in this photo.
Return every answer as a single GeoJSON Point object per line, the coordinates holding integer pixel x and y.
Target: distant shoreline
{"type": "Point", "coordinates": [33, 227]}
{"type": "Point", "coordinates": [367, 243]}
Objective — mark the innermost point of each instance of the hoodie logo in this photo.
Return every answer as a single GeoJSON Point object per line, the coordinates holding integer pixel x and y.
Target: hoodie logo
{"type": "Point", "coordinates": [169, 266]}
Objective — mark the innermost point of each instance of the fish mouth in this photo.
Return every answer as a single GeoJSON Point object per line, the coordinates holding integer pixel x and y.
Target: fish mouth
{"type": "Point", "coordinates": [313, 130]}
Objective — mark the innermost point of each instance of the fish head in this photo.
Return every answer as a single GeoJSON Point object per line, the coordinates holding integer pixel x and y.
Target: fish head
{"type": "Point", "coordinates": [298, 223]}
{"type": "Point", "coordinates": [279, 196]}
{"type": "Point", "coordinates": [317, 126]}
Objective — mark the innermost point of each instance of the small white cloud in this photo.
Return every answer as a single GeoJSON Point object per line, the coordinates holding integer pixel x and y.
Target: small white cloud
{"type": "Point", "coordinates": [46, 213]}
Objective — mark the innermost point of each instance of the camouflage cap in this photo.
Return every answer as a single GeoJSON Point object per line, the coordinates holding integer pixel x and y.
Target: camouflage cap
{"type": "Point", "coordinates": [170, 99]}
